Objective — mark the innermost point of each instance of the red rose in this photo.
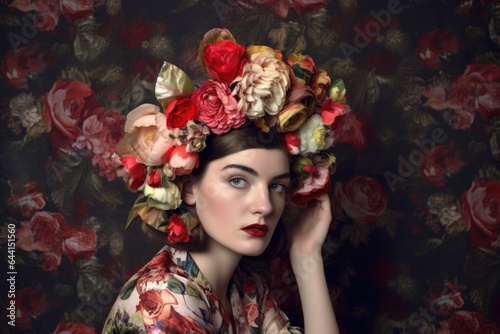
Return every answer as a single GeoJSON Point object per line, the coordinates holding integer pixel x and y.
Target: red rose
{"type": "Point", "coordinates": [49, 261]}
{"type": "Point", "coordinates": [156, 306]}
{"type": "Point", "coordinates": [18, 64]}
{"type": "Point", "coordinates": [77, 9]}
{"type": "Point", "coordinates": [179, 112]}
{"type": "Point", "coordinates": [223, 60]}
{"type": "Point", "coordinates": [30, 302]}
{"type": "Point", "coordinates": [439, 162]}
{"type": "Point", "coordinates": [478, 89]}
{"type": "Point", "coordinates": [67, 105]}
{"type": "Point", "coordinates": [42, 233]}
{"type": "Point", "coordinates": [480, 209]}
{"type": "Point", "coordinates": [463, 322]}
{"type": "Point", "coordinates": [64, 327]}
{"type": "Point", "coordinates": [79, 242]}
{"type": "Point", "coordinates": [176, 230]}
{"type": "Point", "coordinates": [217, 108]}
{"type": "Point", "coordinates": [362, 198]}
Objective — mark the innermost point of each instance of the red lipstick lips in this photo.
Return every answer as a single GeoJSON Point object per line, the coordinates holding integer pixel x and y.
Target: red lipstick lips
{"type": "Point", "coordinates": [256, 230]}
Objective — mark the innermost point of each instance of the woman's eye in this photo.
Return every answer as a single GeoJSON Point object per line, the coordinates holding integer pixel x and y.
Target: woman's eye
{"type": "Point", "coordinates": [237, 182]}
{"type": "Point", "coordinates": [278, 187]}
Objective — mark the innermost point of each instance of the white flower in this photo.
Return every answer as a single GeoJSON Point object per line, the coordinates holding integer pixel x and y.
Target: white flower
{"type": "Point", "coordinates": [313, 136]}
{"type": "Point", "coordinates": [263, 86]}
{"type": "Point", "coordinates": [165, 198]}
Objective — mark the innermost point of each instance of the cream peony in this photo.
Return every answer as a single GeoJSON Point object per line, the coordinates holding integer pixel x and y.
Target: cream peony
{"type": "Point", "coordinates": [263, 86]}
{"type": "Point", "coordinates": [313, 136]}
{"type": "Point", "coordinates": [164, 198]}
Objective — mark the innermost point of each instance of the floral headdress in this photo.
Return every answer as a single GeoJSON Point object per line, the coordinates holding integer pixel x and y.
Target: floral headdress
{"type": "Point", "coordinates": [254, 84]}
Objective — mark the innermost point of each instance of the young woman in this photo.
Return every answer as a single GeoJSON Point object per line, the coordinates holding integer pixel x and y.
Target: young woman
{"type": "Point", "coordinates": [218, 189]}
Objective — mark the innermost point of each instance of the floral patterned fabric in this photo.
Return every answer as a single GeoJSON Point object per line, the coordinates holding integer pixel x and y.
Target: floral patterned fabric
{"type": "Point", "coordinates": [171, 295]}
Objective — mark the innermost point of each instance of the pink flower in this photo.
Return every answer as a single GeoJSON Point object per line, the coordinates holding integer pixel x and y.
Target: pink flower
{"type": "Point", "coordinates": [252, 312]}
{"type": "Point", "coordinates": [77, 9]}
{"type": "Point", "coordinates": [217, 108]}
{"type": "Point", "coordinates": [89, 137]}
{"type": "Point", "coordinates": [315, 185]}
{"type": "Point", "coordinates": [181, 161]}
{"type": "Point", "coordinates": [459, 119]}
{"type": "Point", "coordinates": [480, 209]}
{"type": "Point", "coordinates": [362, 198]}
{"type": "Point", "coordinates": [26, 199]}
{"type": "Point", "coordinates": [67, 105]}
{"type": "Point", "coordinates": [152, 141]}
{"type": "Point", "coordinates": [331, 112]}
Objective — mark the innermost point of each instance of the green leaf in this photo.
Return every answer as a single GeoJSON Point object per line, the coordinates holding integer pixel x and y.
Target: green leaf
{"type": "Point", "coordinates": [175, 285]}
{"type": "Point", "coordinates": [430, 245]}
{"type": "Point", "coordinates": [185, 4]}
{"type": "Point", "coordinates": [388, 220]}
{"type": "Point", "coordinates": [355, 233]}
{"type": "Point", "coordinates": [127, 290]}
{"type": "Point", "coordinates": [193, 291]}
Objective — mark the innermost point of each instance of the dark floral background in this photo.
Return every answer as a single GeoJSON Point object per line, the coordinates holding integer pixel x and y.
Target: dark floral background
{"type": "Point", "coordinates": [415, 244]}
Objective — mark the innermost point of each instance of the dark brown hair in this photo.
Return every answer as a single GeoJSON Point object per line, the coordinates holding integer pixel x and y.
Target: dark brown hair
{"type": "Point", "coordinates": [234, 141]}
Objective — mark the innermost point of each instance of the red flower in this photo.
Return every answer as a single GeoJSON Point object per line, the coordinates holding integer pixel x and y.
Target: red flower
{"type": "Point", "coordinates": [136, 172]}
{"type": "Point", "coordinates": [331, 112]}
{"type": "Point", "coordinates": [179, 112]}
{"type": "Point", "coordinates": [21, 63]}
{"type": "Point", "coordinates": [354, 128]}
{"type": "Point", "coordinates": [252, 313]}
{"type": "Point", "coordinates": [66, 106]}
{"type": "Point", "coordinates": [481, 212]}
{"type": "Point", "coordinates": [478, 89]}
{"type": "Point", "coordinates": [223, 60]}
{"type": "Point", "coordinates": [434, 44]}
{"type": "Point", "coordinates": [154, 179]}
{"type": "Point", "coordinates": [74, 10]}
{"type": "Point", "coordinates": [136, 33]}
{"type": "Point", "coordinates": [64, 327]}
{"type": "Point", "coordinates": [156, 305]}
{"type": "Point", "coordinates": [362, 198]}
{"type": "Point", "coordinates": [79, 242]}
{"type": "Point", "coordinates": [176, 230]}
{"type": "Point", "coordinates": [26, 199]}
{"type": "Point", "coordinates": [439, 162]}
{"type": "Point", "coordinates": [217, 108]}
{"type": "Point", "coordinates": [292, 141]}
{"type": "Point", "coordinates": [31, 301]}
{"type": "Point", "coordinates": [181, 161]}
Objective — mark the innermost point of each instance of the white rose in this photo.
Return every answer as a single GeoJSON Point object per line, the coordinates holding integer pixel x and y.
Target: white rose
{"type": "Point", "coordinates": [312, 135]}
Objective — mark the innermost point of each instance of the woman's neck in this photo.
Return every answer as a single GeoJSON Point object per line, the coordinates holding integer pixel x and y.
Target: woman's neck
{"type": "Point", "coordinates": [217, 264]}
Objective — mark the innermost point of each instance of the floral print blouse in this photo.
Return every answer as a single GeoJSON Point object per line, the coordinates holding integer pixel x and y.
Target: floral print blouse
{"type": "Point", "coordinates": [171, 295]}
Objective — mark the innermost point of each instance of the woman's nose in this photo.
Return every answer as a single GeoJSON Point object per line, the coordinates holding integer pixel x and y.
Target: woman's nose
{"type": "Point", "coordinates": [261, 201]}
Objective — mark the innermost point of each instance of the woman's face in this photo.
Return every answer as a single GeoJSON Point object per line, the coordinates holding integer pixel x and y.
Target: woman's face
{"type": "Point", "coordinates": [240, 199]}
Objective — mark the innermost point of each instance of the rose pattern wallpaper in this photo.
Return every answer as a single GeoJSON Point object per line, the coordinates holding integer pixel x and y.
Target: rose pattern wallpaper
{"type": "Point", "coordinates": [415, 242]}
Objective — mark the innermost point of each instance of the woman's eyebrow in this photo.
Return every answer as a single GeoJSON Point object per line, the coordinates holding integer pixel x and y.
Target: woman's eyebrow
{"type": "Point", "coordinates": [253, 171]}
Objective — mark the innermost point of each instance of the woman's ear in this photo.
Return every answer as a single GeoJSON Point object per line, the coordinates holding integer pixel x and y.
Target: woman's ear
{"type": "Point", "coordinates": [189, 190]}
